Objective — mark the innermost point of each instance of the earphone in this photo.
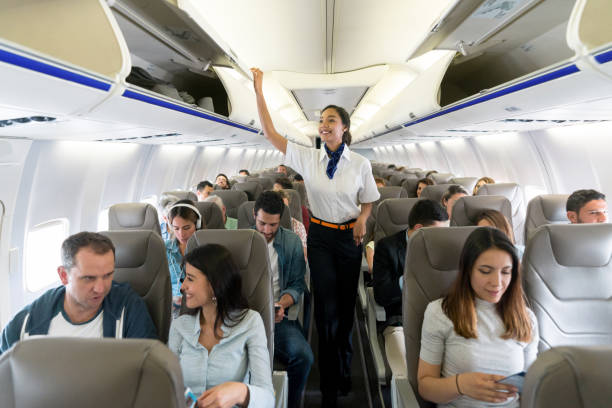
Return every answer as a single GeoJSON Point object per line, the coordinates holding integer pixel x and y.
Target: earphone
{"type": "Point", "coordinates": [194, 208]}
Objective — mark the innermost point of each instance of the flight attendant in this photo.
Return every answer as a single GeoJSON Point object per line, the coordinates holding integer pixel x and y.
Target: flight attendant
{"type": "Point", "coordinates": [341, 190]}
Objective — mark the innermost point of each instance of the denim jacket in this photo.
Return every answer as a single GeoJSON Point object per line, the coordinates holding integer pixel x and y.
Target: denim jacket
{"type": "Point", "coordinates": [291, 266]}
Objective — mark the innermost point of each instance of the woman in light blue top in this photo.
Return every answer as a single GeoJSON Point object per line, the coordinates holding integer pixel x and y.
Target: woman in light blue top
{"type": "Point", "coordinates": [221, 344]}
{"type": "Point", "coordinates": [481, 332]}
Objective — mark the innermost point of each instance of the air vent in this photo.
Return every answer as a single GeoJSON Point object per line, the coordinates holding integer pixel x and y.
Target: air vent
{"type": "Point", "coordinates": [21, 121]}
{"type": "Point", "coordinates": [123, 139]}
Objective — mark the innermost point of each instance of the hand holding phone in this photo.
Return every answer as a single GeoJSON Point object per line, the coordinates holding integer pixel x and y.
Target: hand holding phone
{"type": "Point", "coordinates": [515, 380]}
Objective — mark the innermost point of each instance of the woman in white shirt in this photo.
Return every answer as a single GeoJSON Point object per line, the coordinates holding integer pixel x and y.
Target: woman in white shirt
{"type": "Point", "coordinates": [221, 344]}
{"type": "Point", "coordinates": [341, 189]}
{"type": "Point", "coordinates": [481, 332]}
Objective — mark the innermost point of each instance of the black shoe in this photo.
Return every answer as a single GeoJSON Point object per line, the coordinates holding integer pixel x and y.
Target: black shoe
{"type": "Point", "coordinates": [345, 386]}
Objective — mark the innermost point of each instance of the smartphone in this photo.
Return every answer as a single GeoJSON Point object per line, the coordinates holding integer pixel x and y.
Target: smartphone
{"type": "Point", "coordinates": [190, 398]}
{"type": "Point", "coordinates": [516, 380]}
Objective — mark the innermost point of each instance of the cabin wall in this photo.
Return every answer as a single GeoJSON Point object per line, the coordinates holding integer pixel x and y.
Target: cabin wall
{"type": "Point", "coordinates": [558, 160]}
{"type": "Point", "coordinates": [77, 181]}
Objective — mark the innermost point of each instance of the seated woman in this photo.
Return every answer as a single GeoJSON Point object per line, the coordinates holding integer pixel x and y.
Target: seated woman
{"type": "Point", "coordinates": [481, 332]}
{"type": "Point", "coordinates": [424, 182]}
{"type": "Point", "coordinates": [495, 219]}
{"type": "Point", "coordinates": [451, 196]}
{"type": "Point", "coordinates": [184, 219]}
{"type": "Point", "coordinates": [481, 182]}
{"type": "Point", "coordinates": [220, 342]}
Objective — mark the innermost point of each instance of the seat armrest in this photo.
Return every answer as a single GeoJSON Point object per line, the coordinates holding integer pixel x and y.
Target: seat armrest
{"type": "Point", "coordinates": [280, 382]}
{"type": "Point", "coordinates": [402, 395]}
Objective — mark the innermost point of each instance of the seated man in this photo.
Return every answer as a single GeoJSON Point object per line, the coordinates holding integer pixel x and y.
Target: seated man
{"type": "Point", "coordinates": [587, 207]}
{"type": "Point", "coordinates": [244, 172]}
{"type": "Point", "coordinates": [88, 304]}
{"type": "Point", "coordinates": [281, 169]}
{"type": "Point", "coordinates": [203, 189]}
{"type": "Point", "coordinates": [388, 270]}
{"type": "Point", "coordinates": [288, 268]}
{"type": "Point", "coordinates": [230, 223]}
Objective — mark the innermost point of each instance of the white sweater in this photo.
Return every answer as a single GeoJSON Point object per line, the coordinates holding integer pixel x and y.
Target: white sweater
{"type": "Point", "coordinates": [488, 353]}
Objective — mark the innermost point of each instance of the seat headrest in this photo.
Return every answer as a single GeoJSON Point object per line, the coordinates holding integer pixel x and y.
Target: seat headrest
{"type": "Point", "coordinates": [183, 195]}
{"type": "Point", "coordinates": [252, 188]}
{"type": "Point", "coordinates": [435, 192]}
{"type": "Point", "coordinates": [441, 178]}
{"type": "Point", "coordinates": [553, 206]}
{"type": "Point", "coordinates": [211, 214]}
{"type": "Point", "coordinates": [410, 185]}
{"type": "Point", "coordinates": [392, 216]}
{"type": "Point", "coordinates": [442, 246]}
{"type": "Point", "coordinates": [467, 208]}
{"type": "Point", "coordinates": [467, 182]}
{"type": "Point", "coordinates": [576, 245]}
{"type": "Point", "coordinates": [133, 216]}
{"type": "Point", "coordinates": [80, 372]}
{"type": "Point", "coordinates": [508, 190]}
{"type": "Point", "coordinates": [569, 377]}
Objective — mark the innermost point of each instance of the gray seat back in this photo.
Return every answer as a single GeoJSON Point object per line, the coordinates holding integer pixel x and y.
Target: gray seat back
{"type": "Point", "coordinates": [183, 195]}
{"type": "Point", "coordinates": [295, 204]}
{"type": "Point", "coordinates": [392, 216]}
{"type": "Point", "coordinates": [140, 260]}
{"type": "Point", "coordinates": [442, 178]}
{"type": "Point", "coordinates": [267, 182]}
{"type": "Point", "coordinates": [569, 377]}
{"type": "Point", "coordinates": [133, 216]}
{"type": "Point", "coordinates": [432, 262]}
{"type": "Point", "coordinates": [435, 192]}
{"type": "Point", "coordinates": [545, 209]}
{"type": "Point", "coordinates": [396, 179]}
{"type": "Point", "coordinates": [513, 193]}
{"type": "Point", "coordinates": [95, 373]}
{"type": "Point", "coordinates": [301, 189]}
{"type": "Point", "coordinates": [387, 192]}
{"type": "Point", "coordinates": [410, 185]}
{"type": "Point", "coordinates": [250, 252]}
{"type": "Point", "coordinates": [232, 199]}
{"type": "Point", "coordinates": [568, 281]}
{"type": "Point", "coordinates": [466, 182]}
{"type": "Point", "coordinates": [212, 215]}
{"type": "Point", "coordinates": [467, 208]}
{"type": "Point", "coordinates": [246, 219]}
{"type": "Point", "coordinates": [252, 189]}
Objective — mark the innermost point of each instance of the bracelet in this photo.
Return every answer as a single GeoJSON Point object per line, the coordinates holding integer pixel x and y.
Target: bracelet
{"type": "Point", "coordinates": [457, 384]}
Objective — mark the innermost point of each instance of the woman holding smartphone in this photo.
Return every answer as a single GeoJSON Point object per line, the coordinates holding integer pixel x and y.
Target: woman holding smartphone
{"type": "Point", "coordinates": [481, 332]}
{"type": "Point", "coordinates": [341, 189]}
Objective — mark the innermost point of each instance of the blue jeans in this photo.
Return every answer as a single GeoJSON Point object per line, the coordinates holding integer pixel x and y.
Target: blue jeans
{"type": "Point", "coordinates": [292, 349]}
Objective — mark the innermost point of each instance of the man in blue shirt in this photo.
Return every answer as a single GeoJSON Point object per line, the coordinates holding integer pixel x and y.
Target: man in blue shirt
{"type": "Point", "coordinates": [88, 304]}
{"type": "Point", "coordinates": [288, 267]}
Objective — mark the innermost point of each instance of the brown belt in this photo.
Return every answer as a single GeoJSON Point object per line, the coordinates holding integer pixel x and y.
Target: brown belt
{"type": "Point", "coordinates": [342, 227]}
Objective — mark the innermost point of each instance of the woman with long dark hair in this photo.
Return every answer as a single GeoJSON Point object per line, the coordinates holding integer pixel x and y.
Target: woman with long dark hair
{"type": "Point", "coordinates": [221, 343]}
{"type": "Point", "coordinates": [341, 190]}
{"type": "Point", "coordinates": [481, 332]}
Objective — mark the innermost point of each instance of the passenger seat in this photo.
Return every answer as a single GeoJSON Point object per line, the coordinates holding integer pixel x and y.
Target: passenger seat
{"type": "Point", "coordinates": [467, 208]}
{"type": "Point", "coordinates": [140, 260]}
{"type": "Point", "coordinates": [545, 209]}
{"type": "Point", "coordinates": [569, 377]}
{"type": "Point", "coordinates": [231, 200]}
{"type": "Point", "coordinates": [568, 281]}
{"type": "Point", "coordinates": [513, 193]}
{"type": "Point", "coordinates": [432, 263]}
{"type": "Point", "coordinates": [183, 195]}
{"type": "Point", "coordinates": [435, 192]}
{"type": "Point", "coordinates": [252, 189]}
{"type": "Point", "coordinates": [133, 216]}
{"type": "Point", "coordinates": [212, 216]}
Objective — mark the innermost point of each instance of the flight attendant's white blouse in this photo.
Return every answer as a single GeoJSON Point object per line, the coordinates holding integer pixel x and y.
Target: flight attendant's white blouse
{"type": "Point", "coordinates": [336, 200]}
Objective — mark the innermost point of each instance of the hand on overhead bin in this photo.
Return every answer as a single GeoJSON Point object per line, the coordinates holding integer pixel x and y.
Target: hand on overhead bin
{"type": "Point", "coordinates": [257, 80]}
{"type": "Point", "coordinates": [483, 387]}
{"type": "Point", "coordinates": [225, 395]}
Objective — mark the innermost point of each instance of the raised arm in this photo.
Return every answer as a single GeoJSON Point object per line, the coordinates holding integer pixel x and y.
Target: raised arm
{"type": "Point", "coordinates": [264, 115]}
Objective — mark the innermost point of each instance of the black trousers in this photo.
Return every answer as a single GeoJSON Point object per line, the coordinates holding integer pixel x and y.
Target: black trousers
{"type": "Point", "coordinates": [335, 262]}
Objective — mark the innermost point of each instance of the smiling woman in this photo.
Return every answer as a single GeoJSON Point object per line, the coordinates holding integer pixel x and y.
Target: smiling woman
{"type": "Point", "coordinates": [341, 190]}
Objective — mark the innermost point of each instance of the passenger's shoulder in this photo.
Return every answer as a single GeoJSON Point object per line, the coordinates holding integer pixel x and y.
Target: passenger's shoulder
{"type": "Point", "coordinates": [434, 308]}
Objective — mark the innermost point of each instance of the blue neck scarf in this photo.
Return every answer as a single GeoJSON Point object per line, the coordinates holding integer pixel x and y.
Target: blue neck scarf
{"type": "Point", "coordinates": [332, 165]}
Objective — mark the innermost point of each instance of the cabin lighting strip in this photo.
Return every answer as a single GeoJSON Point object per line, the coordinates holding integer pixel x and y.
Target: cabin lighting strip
{"type": "Point", "coordinates": [51, 70]}
{"type": "Point", "coordinates": [158, 102]}
{"type": "Point", "coordinates": [549, 76]}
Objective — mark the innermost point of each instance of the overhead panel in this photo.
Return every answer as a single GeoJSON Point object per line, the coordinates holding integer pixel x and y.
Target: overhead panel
{"type": "Point", "coordinates": [373, 32]}
{"type": "Point", "coordinates": [313, 100]}
{"type": "Point", "coordinates": [272, 34]}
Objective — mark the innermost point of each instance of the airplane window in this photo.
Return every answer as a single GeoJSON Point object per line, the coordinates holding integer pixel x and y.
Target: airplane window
{"type": "Point", "coordinates": [42, 253]}
{"type": "Point", "coordinates": [103, 220]}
